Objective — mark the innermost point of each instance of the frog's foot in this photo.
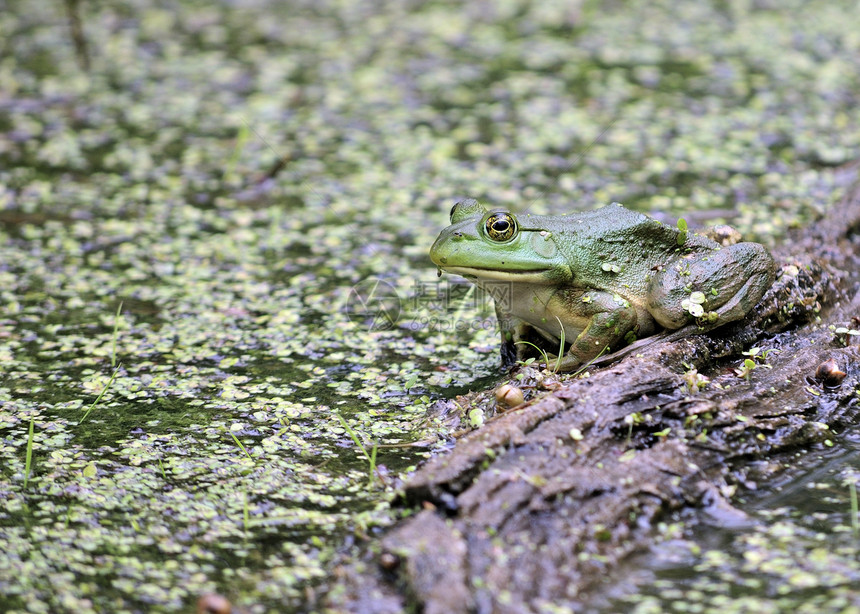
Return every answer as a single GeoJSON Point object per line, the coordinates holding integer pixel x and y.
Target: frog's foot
{"type": "Point", "coordinates": [570, 363]}
{"type": "Point", "coordinates": [520, 340]}
{"type": "Point", "coordinates": [508, 351]}
{"type": "Point", "coordinates": [666, 335]}
{"type": "Point", "coordinates": [743, 300]}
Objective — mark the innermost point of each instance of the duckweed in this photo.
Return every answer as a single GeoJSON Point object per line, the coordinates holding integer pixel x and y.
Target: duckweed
{"type": "Point", "coordinates": [186, 218]}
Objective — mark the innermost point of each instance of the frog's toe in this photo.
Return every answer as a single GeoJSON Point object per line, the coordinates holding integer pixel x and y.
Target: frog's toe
{"type": "Point", "coordinates": [744, 299]}
{"type": "Point", "coordinates": [508, 353]}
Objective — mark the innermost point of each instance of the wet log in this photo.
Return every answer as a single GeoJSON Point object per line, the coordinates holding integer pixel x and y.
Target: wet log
{"type": "Point", "coordinates": [541, 504]}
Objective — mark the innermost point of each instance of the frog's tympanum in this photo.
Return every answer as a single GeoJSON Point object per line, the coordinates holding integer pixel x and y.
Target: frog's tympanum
{"type": "Point", "coordinates": [603, 278]}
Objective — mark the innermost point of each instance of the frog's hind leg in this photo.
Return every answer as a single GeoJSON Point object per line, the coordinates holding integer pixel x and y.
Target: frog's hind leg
{"type": "Point", "coordinates": [754, 268]}
{"type": "Point", "coordinates": [732, 280]}
{"type": "Point", "coordinates": [611, 319]}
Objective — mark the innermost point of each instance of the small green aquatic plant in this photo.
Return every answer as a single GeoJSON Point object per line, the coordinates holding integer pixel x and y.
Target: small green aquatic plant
{"type": "Point", "coordinates": [756, 358]}
{"type": "Point", "coordinates": [242, 137]}
{"type": "Point", "coordinates": [759, 355]}
{"type": "Point", "coordinates": [529, 361]}
{"type": "Point", "coordinates": [693, 380]}
{"type": "Point", "coordinates": [113, 363]}
{"type": "Point", "coordinates": [558, 357]}
{"type": "Point", "coordinates": [241, 446]}
{"type": "Point", "coordinates": [413, 379]}
{"type": "Point", "coordinates": [115, 335]}
{"type": "Point", "coordinates": [28, 460]}
{"type": "Point", "coordinates": [371, 457]}
{"type": "Point", "coordinates": [746, 369]}
{"type": "Point", "coordinates": [630, 420]}
{"type": "Point", "coordinates": [101, 394]}
{"type": "Point", "coordinates": [844, 334]}
{"type": "Point", "coordinates": [560, 346]}
{"type": "Point", "coordinates": [589, 363]}
{"type": "Point", "coordinates": [682, 231]}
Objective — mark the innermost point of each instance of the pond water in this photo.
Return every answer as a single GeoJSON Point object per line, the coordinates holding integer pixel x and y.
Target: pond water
{"type": "Point", "coordinates": [214, 224]}
{"type": "Point", "coordinates": [799, 550]}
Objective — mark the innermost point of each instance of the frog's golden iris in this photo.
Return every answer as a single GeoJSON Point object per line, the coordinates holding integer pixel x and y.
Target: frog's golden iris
{"type": "Point", "coordinates": [501, 227]}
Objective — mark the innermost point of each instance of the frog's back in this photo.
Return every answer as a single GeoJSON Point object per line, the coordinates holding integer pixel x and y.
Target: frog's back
{"type": "Point", "coordinates": [613, 224]}
{"type": "Point", "coordinates": [616, 248]}
{"type": "Point", "coordinates": [614, 227]}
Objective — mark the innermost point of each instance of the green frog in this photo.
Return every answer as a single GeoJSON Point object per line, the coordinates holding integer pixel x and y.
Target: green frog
{"type": "Point", "coordinates": [599, 279]}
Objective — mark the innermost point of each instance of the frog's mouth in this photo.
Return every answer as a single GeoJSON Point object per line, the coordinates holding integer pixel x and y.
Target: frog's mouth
{"type": "Point", "coordinates": [526, 276]}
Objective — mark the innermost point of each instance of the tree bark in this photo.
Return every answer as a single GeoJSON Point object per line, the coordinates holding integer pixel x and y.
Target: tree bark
{"type": "Point", "coordinates": [538, 506]}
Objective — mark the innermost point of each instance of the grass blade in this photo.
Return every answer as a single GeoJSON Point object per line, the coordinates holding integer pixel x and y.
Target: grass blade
{"type": "Point", "coordinates": [115, 334]}
{"type": "Point", "coordinates": [99, 398]}
{"type": "Point", "coordinates": [239, 443]}
{"type": "Point", "coordinates": [372, 465]}
{"type": "Point", "coordinates": [855, 521]}
{"type": "Point", "coordinates": [28, 461]}
{"type": "Point", "coordinates": [371, 458]}
{"type": "Point", "coordinates": [353, 436]}
{"type": "Point", "coordinates": [588, 364]}
{"type": "Point", "coordinates": [544, 354]}
{"type": "Point", "coordinates": [560, 347]}
{"type": "Point", "coordinates": [246, 515]}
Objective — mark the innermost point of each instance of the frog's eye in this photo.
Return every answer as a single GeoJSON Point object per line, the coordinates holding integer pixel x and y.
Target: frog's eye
{"type": "Point", "coordinates": [501, 227]}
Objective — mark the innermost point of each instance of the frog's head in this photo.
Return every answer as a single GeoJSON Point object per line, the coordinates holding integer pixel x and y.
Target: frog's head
{"type": "Point", "coordinates": [493, 244]}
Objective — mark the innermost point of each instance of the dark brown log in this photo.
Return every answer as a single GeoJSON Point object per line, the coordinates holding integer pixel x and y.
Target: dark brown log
{"type": "Point", "coordinates": [541, 504]}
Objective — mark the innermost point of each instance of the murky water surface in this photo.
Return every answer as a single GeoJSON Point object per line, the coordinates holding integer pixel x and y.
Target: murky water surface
{"type": "Point", "coordinates": [214, 224]}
